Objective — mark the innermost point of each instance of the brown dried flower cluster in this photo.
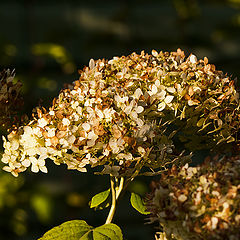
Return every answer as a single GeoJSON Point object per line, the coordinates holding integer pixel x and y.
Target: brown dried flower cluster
{"type": "Point", "coordinates": [116, 114]}
{"type": "Point", "coordinates": [10, 99]}
{"type": "Point", "coordinates": [199, 202]}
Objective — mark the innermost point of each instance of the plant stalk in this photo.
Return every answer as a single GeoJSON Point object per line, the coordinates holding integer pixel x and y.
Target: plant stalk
{"type": "Point", "coordinates": [116, 191]}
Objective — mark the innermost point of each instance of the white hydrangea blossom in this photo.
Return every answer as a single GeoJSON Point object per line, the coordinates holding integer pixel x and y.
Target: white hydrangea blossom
{"type": "Point", "coordinates": [101, 121]}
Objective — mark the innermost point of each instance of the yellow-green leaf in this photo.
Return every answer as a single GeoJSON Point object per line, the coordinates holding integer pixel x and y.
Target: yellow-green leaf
{"type": "Point", "coordinates": [107, 232]}
{"type": "Point", "coordinates": [71, 230]}
{"type": "Point", "coordinates": [99, 198]}
{"type": "Point", "coordinates": [80, 230]}
{"type": "Point", "coordinates": [138, 203]}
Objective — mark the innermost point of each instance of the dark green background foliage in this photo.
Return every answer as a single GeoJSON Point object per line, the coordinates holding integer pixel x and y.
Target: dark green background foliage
{"type": "Point", "coordinates": [47, 41]}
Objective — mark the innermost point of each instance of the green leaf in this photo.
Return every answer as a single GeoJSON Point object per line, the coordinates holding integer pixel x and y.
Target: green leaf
{"type": "Point", "coordinates": [107, 232]}
{"type": "Point", "coordinates": [71, 230]}
{"type": "Point", "coordinates": [104, 205]}
{"type": "Point", "coordinates": [80, 230]}
{"type": "Point", "coordinates": [99, 198]}
{"type": "Point", "coordinates": [138, 203]}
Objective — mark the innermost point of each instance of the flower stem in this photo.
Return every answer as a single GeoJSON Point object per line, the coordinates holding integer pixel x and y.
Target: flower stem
{"type": "Point", "coordinates": [116, 191]}
{"type": "Point", "coordinates": [113, 206]}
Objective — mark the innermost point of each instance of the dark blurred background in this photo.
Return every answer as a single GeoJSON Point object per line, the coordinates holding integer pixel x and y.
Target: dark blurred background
{"type": "Point", "coordinates": [48, 41]}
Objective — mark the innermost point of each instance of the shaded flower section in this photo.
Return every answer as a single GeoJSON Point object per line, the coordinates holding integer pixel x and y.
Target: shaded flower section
{"type": "Point", "coordinates": [10, 98]}
{"type": "Point", "coordinates": [124, 112]}
{"type": "Point", "coordinates": [199, 202]}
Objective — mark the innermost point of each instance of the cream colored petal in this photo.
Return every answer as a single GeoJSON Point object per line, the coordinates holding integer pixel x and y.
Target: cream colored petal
{"type": "Point", "coordinates": [161, 106]}
{"type": "Point", "coordinates": [168, 99]}
{"type": "Point", "coordinates": [86, 126]}
{"type": "Point", "coordinates": [139, 109]}
{"type": "Point", "coordinates": [7, 169]}
{"type": "Point", "coordinates": [35, 168]}
{"type": "Point", "coordinates": [43, 169]}
{"type": "Point", "coordinates": [26, 163]}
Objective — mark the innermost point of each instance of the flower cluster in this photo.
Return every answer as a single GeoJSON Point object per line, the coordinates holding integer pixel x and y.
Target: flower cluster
{"type": "Point", "coordinates": [10, 99]}
{"type": "Point", "coordinates": [117, 112]}
{"type": "Point", "coordinates": [199, 202]}
{"type": "Point", "coordinates": [102, 120]}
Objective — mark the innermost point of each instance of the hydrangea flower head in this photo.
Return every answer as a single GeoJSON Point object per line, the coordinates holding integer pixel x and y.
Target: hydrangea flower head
{"type": "Point", "coordinates": [199, 202]}
{"type": "Point", "coordinates": [119, 111]}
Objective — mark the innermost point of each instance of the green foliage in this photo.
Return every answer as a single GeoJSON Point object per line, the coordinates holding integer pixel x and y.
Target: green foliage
{"type": "Point", "coordinates": [99, 198]}
{"type": "Point", "coordinates": [106, 232]}
{"type": "Point", "coordinates": [138, 203]}
{"type": "Point", "coordinates": [80, 230]}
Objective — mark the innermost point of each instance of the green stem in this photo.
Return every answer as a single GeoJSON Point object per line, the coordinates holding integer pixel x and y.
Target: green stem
{"type": "Point", "coordinates": [120, 188]}
{"type": "Point", "coordinates": [116, 191]}
{"type": "Point", "coordinates": [113, 206]}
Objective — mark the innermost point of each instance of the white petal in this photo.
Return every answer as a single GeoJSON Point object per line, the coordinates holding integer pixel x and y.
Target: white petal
{"type": "Point", "coordinates": [91, 143]}
{"type": "Point", "coordinates": [71, 139]}
{"type": "Point", "coordinates": [99, 113]}
{"type": "Point", "coordinates": [182, 198]}
{"type": "Point", "coordinates": [157, 83]}
{"type": "Point", "coordinates": [92, 135]}
{"type": "Point", "coordinates": [33, 160]}
{"type": "Point", "coordinates": [7, 169]}
{"type": "Point", "coordinates": [86, 126]}
{"type": "Point", "coordinates": [91, 64]}
{"type": "Point", "coordinates": [128, 109]}
{"type": "Point", "coordinates": [161, 106]}
{"type": "Point", "coordinates": [82, 169]}
{"type": "Point", "coordinates": [51, 113]}
{"type": "Point", "coordinates": [42, 122]}
{"type": "Point", "coordinates": [26, 163]}
{"type": "Point", "coordinates": [34, 168]}
{"type": "Point", "coordinates": [134, 115]}
{"type": "Point", "coordinates": [193, 59]}
{"type": "Point", "coordinates": [14, 145]}
{"type": "Point", "coordinates": [15, 174]}
{"type": "Point", "coordinates": [41, 162]}
{"type": "Point", "coordinates": [65, 122]}
{"type": "Point", "coordinates": [171, 89]}
{"type": "Point", "coordinates": [168, 99]}
{"type": "Point", "coordinates": [28, 130]}
{"type": "Point", "coordinates": [161, 95]}
{"type": "Point", "coordinates": [125, 99]}
{"type": "Point", "coordinates": [139, 109]}
{"type": "Point", "coordinates": [42, 150]}
{"type": "Point", "coordinates": [51, 132]}
{"type": "Point", "coordinates": [139, 122]}
{"type": "Point", "coordinates": [138, 92]}
{"type": "Point", "coordinates": [154, 53]}
{"type": "Point", "coordinates": [5, 158]}
{"type": "Point", "coordinates": [192, 102]}
{"type": "Point", "coordinates": [154, 89]}
{"type": "Point", "coordinates": [32, 151]}
{"type": "Point", "coordinates": [17, 165]}
{"type": "Point", "coordinates": [43, 169]}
